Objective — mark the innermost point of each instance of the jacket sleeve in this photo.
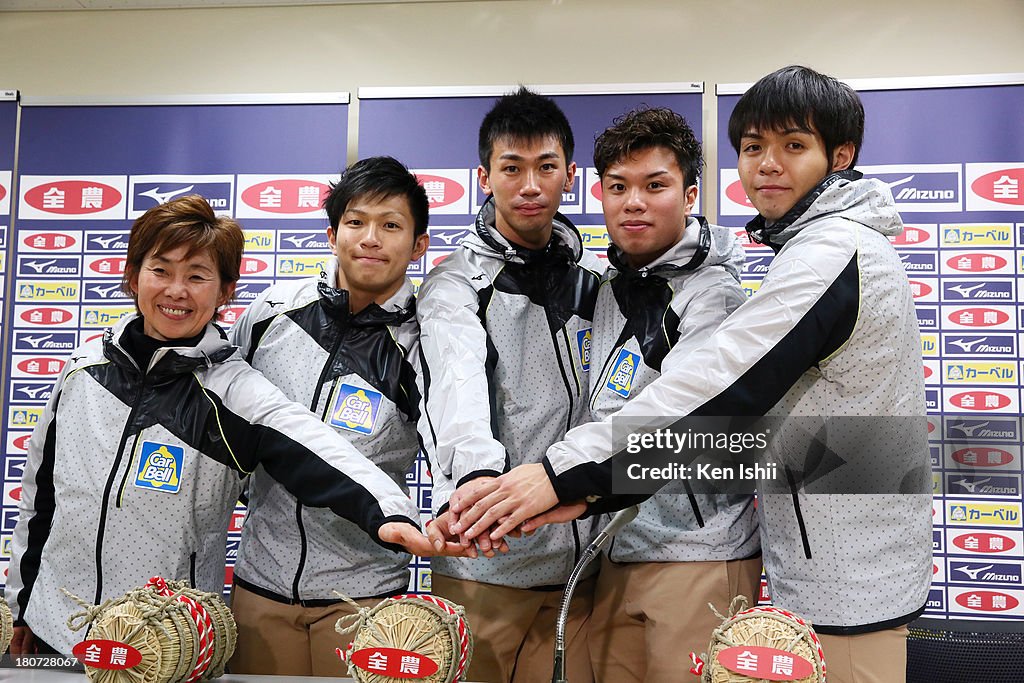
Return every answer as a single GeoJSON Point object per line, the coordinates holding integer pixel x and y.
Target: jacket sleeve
{"type": "Point", "coordinates": [35, 508]}
{"type": "Point", "coordinates": [260, 426]}
{"type": "Point", "coordinates": [806, 308]}
{"type": "Point", "coordinates": [458, 423]}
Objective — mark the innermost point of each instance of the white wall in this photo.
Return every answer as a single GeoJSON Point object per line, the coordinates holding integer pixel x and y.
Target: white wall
{"type": "Point", "coordinates": [340, 48]}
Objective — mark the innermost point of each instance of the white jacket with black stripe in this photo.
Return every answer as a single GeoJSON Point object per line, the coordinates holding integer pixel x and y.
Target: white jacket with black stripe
{"type": "Point", "coordinates": [132, 474]}
{"type": "Point", "coordinates": [657, 315]}
{"type": "Point", "coordinates": [354, 372]}
{"type": "Point", "coordinates": [504, 338]}
{"type": "Point", "coordinates": [832, 331]}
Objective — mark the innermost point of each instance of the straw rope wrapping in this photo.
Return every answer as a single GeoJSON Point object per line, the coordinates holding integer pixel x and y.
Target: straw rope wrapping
{"type": "Point", "coordinates": [762, 627]}
{"type": "Point", "coordinates": [6, 626]}
{"type": "Point", "coordinates": [162, 621]}
{"type": "Point", "coordinates": [427, 625]}
{"type": "Point", "coordinates": [204, 626]}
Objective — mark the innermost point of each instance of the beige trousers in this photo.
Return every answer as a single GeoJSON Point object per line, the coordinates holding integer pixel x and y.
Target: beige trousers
{"type": "Point", "coordinates": [649, 616]}
{"type": "Point", "coordinates": [514, 630]}
{"type": "Point", "coordinates": [879, 657]}
{"type": "Point", "coordinates": [288, 640]}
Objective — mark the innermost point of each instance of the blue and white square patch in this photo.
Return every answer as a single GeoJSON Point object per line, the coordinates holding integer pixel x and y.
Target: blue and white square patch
{"type": "Point", "coordinates": [583, 341]}
{"type": "Point", "coordinates": [160, 467]}
{"type": "Point", "coordinates": [620, 378]}
{"type": "Point", "coordinates": [355, 409]}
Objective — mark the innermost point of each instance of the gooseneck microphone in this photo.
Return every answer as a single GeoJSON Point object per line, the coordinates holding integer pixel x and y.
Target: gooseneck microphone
{"type": "Point", "coordinates": [621, 519]}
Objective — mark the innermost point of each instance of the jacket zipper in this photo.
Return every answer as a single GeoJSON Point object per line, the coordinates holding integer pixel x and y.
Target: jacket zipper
{"type": "Point", "coordinates": [303, 545]}
{"type": "Point", "coordinates": [110, 485]}
{"type": "Point", "coordinates": [604, 370]}
{"type": "Point", "coordinates": [192, 569]}
{"type": "Point", "coordinates": [799, 515]}
{"type": "Point", "coordinates": [565, 381]}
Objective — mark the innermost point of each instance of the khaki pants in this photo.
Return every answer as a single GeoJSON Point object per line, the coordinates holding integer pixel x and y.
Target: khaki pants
{"type": "Point", "coordinates": [878, 657]}
{"type": "Point", "coordinates": [288, 640]}
{"type": "Point", "coordinates": [514, 630]}
{"type": "Point", "coordinates": [649, 616]}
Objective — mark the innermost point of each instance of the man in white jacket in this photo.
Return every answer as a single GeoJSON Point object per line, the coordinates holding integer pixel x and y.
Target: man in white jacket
{"type": "Point", "coordinates": [832, 331]}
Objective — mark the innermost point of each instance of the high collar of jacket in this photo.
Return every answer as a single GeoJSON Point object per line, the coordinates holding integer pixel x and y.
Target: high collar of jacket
{"type": "Point", "coordinates": [168, 361]}
{"type": "Point", "coordinates": [868, 202]}
{"type": "Point", "coordinates": [565, 243]}
{"type": "Point", "coordinates": [702, 245]}
{"type": "Point", "coordinates": [399, 308]}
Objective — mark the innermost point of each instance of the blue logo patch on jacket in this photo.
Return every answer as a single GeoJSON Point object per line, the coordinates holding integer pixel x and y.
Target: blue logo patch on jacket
{"type": "Point", "coordinates": [583, 341]}
{"type": "Point", "coordinates": [620, 378]}
{"type": "Point", "coordinates": [160, 467]}
{"type": "Point", "coordinates": [355, 409]}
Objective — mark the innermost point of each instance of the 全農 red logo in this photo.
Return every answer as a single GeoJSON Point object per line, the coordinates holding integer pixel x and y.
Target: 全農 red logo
{"type": "Point", "coordinates": [230, 314]}
{"type": "Point", "coordinates": [3, 192]}
{"type": "Point", "coordinates": [438, 259]}
{"type": "Point", "coordinates": [286, 195]}
{"type": "Point", "coordinates": [441, 191]}
{"type": "Point", "coordinates": [596, 191]}
{"type": "Point", "coordinates": [108, 265]}
{"type": "Point", "coordinates": [251, 265]}
{"type": "Point", "coordinates": [982, 456]}
{"type": "Point", "coordinates": [983, 542]}
{"type": "Point", "coordinates": [49, 241]}
{"type": "Point", "coordinates": [736, 193]}
{"type": "Point", "coordinates": [919, 288]}
{"type": "Point", "coordinates": [911, 236]}
{"type": "Point", "coordinates": [978, 317]}
{"type": "Point", "coordinates": [41, 366]}
{"type": "Point", "coordinates": [979, 400]}
{"type": "Point", "coordinates": [46, 316]}
{"type": "Point", "coordinates": [927, 372]}
{"type": "Point", "coordinates": [1005, 186]}
{"type": "Point", "coordinates": [987, 601]}
{"type": "Point", "coordinates": [69, 197]}
{"type": "Point", "coordinates": [976, 263]}
{"type": "Point", "coordinates": [21, 443]}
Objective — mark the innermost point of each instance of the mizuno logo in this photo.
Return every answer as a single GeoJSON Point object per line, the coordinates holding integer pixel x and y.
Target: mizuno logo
{"type": "Point", "coordinates": [34, 342]}
{"type": "Point", "coordinates": [968, 431]}
{"type": "Point", "coordinates": [38, 266]}
{"type": "Point", "coordinates": [965, 291]}
{"type": "Point", "coordinates": [105, 242]}
{"type": "Point", "coordinates": [447, 238]}
{"type": "Point", "coordinates": [968, 485]}
{"type": "Point", "coordinates": [897, 183]}
{"type": "Point", "coordinates": [33, 393]}
{"type": "Point", "coordinates": [103, 291]}
{"type": "Point", "coordinates": [481, 276]}
{"type": "Point", "coordinates": [966, 346]}
{"type": "Point", "coordinates": [972, 573]}
{"type": "Point", "coordinates": [298, 241]}
{"type": "Point", "coordinates": [163, 197]}
{"type": "Point", "coordinates": [274, 304]}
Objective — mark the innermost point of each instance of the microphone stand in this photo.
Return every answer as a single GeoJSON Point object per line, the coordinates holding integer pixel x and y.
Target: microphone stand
{"type": "Point", "coordinates": [621, 519]}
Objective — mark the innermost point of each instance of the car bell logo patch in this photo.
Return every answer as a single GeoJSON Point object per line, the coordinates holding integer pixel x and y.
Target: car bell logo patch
{"type": "Point", "coordinates": [620, 380]}
{"type": "Point", "coordinates": [160, 467]}
{"type": "Point", "coordinates": [355, 409]}
{"type": "Point", "coordinates": [583, 341]}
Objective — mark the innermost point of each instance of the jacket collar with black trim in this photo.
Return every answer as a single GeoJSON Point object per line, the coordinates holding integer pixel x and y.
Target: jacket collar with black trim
{"type": "Point", "coordinates": [399, 308]}
{"type": "Point", "coordinates": [687, 254]}
{"type": "Point", "coordinates": [169, 361]}
{"type": "Point", "coordinates": [565, 243]}
{"type": "Point", "coordinates": [776, 234]}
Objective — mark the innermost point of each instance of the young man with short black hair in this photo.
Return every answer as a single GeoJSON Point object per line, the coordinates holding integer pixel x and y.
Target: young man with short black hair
{"type": "Point", "coordinates": [343, 345]}
{"type": "Point", "coordinates": [505, 332]}
{"type": "Point", "coordinates": [672, 279]}
{"type": "Point", "coordinates": [832, 331]}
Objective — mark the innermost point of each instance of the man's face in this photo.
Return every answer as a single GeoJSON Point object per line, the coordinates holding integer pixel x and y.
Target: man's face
{"type": "Point", "coordinates": [374, 244]}
{"type": "Point", "coordinates": [778, 167]}
{"type": "Point", "coordinates": [527, 178]}
{"type": "Point", "coordinates": [646, 203]}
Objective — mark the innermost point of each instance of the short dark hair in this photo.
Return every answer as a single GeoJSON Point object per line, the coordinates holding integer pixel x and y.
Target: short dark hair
{"type": "Point", "coordinates": [378, 178]}
{"type": "Point", "coordinates": [524, 116]}
{"type": "Point", "coordinates": [798, 95]}
{"type": "Point", "coordinates": [644, 128]}
{"type": "Point", "coordinates": [186, 221]}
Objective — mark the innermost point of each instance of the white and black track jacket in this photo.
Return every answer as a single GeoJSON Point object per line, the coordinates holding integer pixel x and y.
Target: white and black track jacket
{"type": "Point", "coordinates": [132, 474]}
{"type": "Point", "coordinates": [353, 371]}
{"type": "Point", "coordinates": [653, 316]}
{"type": "Point", "coordinates": [505, 341]}
{"type": "Point", "coordinates": [832, 331]}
